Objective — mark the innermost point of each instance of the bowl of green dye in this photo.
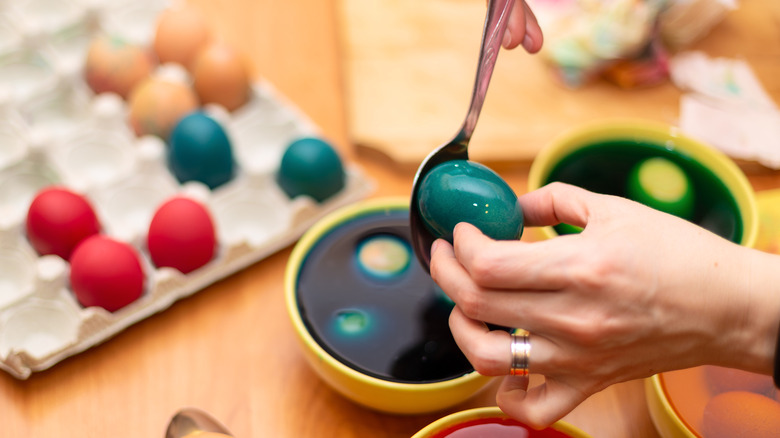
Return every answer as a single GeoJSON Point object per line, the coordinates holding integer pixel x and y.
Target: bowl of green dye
{"type": "Point", "coordinates": [491, 422]}
{"type": "Point", "coordinates": [369, 319]}
{"type": "Point", "coordinates": [654, 164]}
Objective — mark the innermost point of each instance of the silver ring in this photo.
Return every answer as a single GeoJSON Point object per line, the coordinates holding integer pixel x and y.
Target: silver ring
{"type": "Point", "coordinates": [521, 350]}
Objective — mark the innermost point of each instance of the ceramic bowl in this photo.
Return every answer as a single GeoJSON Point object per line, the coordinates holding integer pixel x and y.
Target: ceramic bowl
{"type": "Point", "coordinates": [713, 402]}
{"type": "Point", "coordinates": [725, 199]}
{"type": "Point", "coordinates": [492, 420]}
{"type": "Point", "coordinates": [369, 327]}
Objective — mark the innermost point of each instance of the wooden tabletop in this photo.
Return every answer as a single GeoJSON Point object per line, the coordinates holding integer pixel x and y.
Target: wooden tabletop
{"type": "Point", "coordinates": [230, 349]}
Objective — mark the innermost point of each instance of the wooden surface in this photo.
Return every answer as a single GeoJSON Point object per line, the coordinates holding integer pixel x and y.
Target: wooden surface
{"type": "Point", "coordinates": [409, 70]}
{"type": "Point", "coordinates": [230, 348]}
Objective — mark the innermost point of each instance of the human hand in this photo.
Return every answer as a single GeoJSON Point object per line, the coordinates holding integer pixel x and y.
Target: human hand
{"type": "Point", "coordinates": [523, 28]}
{"type": "Point", "coordinates": [636, 293]}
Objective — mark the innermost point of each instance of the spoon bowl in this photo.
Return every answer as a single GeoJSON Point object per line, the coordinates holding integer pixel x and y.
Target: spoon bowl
{"type": "Point", "coordinates": [189, 421]}
{"type": "Point", "coordinates": [457, 148]}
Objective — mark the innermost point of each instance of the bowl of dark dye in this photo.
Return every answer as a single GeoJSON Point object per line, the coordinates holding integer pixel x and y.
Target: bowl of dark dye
{"type": "Point", "coordinates": [654, 164]}
{"type": "Point", "coordinates": [369, 319]}
{"type": "Point", "coordinates": [491, 422]}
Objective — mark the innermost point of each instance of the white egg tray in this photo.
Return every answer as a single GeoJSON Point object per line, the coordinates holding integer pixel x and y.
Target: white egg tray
{"type": "Point", "coordinates": [54, 130]}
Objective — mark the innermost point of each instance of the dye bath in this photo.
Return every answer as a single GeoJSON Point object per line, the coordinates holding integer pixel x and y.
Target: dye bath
{"type": "Point", "coordinates": [689, 392]}
{"type": "Point", "coordinates": [382, 316]}
{"type": "Point", "coordinates": [605, 167]}
{"type": "Point", "coordinates": [497, 428]}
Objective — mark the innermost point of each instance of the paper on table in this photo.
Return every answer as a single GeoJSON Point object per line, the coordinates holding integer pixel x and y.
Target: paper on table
{"type": "Point", "coordinates": [726, 106]}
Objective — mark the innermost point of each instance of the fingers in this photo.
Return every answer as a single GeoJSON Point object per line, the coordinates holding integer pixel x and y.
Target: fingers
{"type": "Point", "coordinates": [509, 265]}
{"type": "Point", "coordinates": [487, 350]}
{"type": "Point", "coordinates": [558, 202]}
{"type": "Point", "coordinates": [523, 28]}
{"type": "Point", "coordinates": [539, 406]}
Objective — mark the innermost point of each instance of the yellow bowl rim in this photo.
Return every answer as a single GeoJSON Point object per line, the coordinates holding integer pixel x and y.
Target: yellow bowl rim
{"type": "Point", "coordinates": [306, 242]}
{"type": "Point", "coordinates": [656, 394]}
{"type": "Point", "coordinates": [487, 412]}
{"type": "Point", "coordinates": [714, 160]}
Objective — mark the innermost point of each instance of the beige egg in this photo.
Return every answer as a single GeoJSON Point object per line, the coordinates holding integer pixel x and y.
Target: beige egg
{"type": "Point", "coordinates": [221, 77]}
{"type": "Point", "coordinates": [157, 104]}
{"type": "Point", "coordinates": [180, 34]}
{"type": "Point", "coordinates": [116, 66]}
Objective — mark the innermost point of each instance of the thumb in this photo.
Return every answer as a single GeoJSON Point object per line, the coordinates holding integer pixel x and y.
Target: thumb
{"type": "Point", "coordinates": [557, 202]}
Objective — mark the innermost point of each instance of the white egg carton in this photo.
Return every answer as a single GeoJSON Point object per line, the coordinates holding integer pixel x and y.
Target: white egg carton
{"type": "Point", "coordinates": [54, 130]}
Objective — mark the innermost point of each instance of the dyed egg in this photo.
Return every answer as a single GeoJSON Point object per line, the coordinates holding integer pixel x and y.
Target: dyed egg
{"type": "Point", "coordinates": [157, 104]}
{"type": "Point", "coordinates": [464, 191]}
{"type": "Point", "coordinates": [661, 184]}
{"type": "Point", "coordinates": [106, 273]}
{"type": "Point", "coordinates": [115, 66]}
{"type": "Point", "coordinates": [741, 414]}
{"type": "Point", "coordinates": [181, 32]}
{"type": "Point", "coordinates": [383, 256]}
{"type": "Point", "coordinates": [221, 77]}
{"type": "Point", "coordinates": [311, 167]}
{"type": "Point", "coordinates": [58, 220]}
{"type": "Point", "coordinates": [200, 150]}
{"type": "Point", "coordinates": [181, 235]}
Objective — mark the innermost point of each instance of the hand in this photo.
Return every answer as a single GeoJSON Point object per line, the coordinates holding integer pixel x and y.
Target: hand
{"type": "Point", "coordinates": [636, 293]}
{"type": "Point", "coordinates": [523, 28]}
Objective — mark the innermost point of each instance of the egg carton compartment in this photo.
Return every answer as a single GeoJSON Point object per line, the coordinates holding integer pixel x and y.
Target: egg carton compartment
{"type": "Point", "coordinates": [56, 132]}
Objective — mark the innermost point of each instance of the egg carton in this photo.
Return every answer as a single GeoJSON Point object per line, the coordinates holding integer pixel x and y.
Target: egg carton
{"type": "Point", "coordinates": [55, 131]}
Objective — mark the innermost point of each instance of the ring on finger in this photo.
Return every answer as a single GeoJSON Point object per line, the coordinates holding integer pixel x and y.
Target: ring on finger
{"type": "Point", "coordinates": [521, 350]}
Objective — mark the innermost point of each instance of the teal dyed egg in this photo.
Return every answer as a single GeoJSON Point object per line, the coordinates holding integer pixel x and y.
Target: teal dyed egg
{"type": "Point", "coordinates": [200, 150]}
{"type": "Point", "coordinates": [464, 191]}
{"type": "Point", "coordinates": [310, 166]}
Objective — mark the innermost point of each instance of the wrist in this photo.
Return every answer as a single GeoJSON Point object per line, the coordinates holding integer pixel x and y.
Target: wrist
{"type": "Point", "coordinates": [757, 320]}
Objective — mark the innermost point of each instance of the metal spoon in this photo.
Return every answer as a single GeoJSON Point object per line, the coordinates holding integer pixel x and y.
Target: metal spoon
{"type": "Point", "coordinates": [457, 149]}
{"type": "Point", "coordinates": [190, 420]}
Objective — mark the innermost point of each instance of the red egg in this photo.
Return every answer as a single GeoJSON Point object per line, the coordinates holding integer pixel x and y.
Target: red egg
{"type": "Point", "coordinates": [58, 220]}
{"type": "Point", "coordinates": [106, 273]}
{"type": "Point", "coordinates": [181, 235]}
{"type": "Point", "coordinates": [741, 414]}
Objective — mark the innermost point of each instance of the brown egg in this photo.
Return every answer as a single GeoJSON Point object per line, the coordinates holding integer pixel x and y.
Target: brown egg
{"type": "Point", "coordinates": [721, 379]}
{"type": "Point", "coordinates": [741, 414]}
{"type": "Point", "coordinates": [221, 76]}
{"type": "Point", "coordinates": [115, 66]}
{"type": "Point", "coordinates": [180, 34]}
{"type": "Point", "coordinates": [157, 104]}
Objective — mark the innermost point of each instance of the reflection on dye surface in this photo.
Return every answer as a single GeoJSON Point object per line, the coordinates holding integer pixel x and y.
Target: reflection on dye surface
{"type": "Point", "coordinates": [394, 327]}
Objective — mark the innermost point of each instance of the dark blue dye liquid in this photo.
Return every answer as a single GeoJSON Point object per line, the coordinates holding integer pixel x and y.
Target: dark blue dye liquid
{"type": "Point", "coordinates": [604, 168]}
{"type": "Point", "coordinates": [395, 328]}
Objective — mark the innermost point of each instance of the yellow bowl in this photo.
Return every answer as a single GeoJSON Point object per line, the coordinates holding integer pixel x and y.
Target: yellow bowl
{"type": "Point", "coordinates": [667, 420]}
{"type": "Point", "coordinates": [667, 139]}
{"type": "Point", "coordinates": [442, 427]}
{"type": "Point", "coordinates": [377, 393]}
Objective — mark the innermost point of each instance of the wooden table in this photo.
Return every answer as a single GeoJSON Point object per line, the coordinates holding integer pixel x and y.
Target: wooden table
{"type": "Point", "coordinates": [230, 348]}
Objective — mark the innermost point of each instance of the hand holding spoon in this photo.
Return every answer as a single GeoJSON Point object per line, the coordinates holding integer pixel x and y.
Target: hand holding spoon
{"type": "Point", "coordinates": [457, 149]}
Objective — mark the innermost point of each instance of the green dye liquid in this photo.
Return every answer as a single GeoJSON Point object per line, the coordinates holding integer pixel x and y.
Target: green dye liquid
{"type": "Point", "coordinates": [604, 168]}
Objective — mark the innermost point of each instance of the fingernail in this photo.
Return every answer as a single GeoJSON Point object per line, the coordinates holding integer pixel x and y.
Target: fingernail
{"type": "Point", "coordinates": [434, 246]}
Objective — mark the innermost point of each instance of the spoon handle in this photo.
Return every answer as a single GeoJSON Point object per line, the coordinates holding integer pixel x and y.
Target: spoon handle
{"type": "Point", "coordinates": [492, 35]}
